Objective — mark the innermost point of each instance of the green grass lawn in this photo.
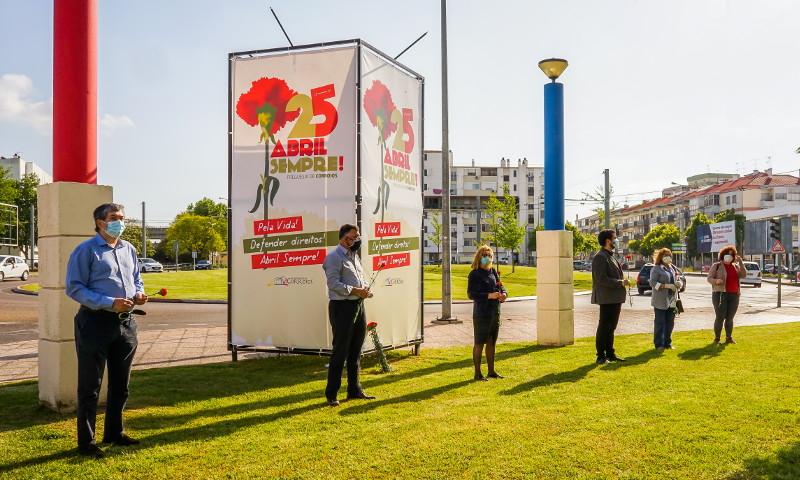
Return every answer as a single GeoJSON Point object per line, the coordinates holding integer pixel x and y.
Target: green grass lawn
{"type": "Point", "coordinates": [213, 284]}
{"type": "Point", "coordinates": [698, 412]}
{"type": "Point", "coordinates": [521, 283]}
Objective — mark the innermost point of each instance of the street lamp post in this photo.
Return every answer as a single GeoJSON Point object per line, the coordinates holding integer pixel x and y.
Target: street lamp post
{"type": "Point", "coordinates": [554, 144]}
{"type": "Point", "coordinates": [555, 323]}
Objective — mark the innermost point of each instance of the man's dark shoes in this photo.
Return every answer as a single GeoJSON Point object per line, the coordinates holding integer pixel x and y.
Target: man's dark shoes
{"type": "Point", "coordinates": [360, 396]}
{"type": "Point", "coordinates": [602, 361]}
{"type": "Point", "coordinates": [730, 340]}
{"type": "Point", "coordinates": [332, 402]}
{"type": "Point", "coordinates": [480, 377]}
{"type": "Point", "coordinates": [495, 375]}
{"type": "Point", "coordinates": [91, 451]}
{"type": "Point", "coordinates": [123, 441]}
{"type": "Point", "coordinates": [617, 359]}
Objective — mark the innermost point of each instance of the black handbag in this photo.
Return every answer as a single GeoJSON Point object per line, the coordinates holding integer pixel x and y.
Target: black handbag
{"type": "Point", "coordinates": [679, 304]}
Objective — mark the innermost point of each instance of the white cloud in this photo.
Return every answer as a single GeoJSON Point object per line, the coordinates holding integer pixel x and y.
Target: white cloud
{"type": "Point", "coordinates": [15, 107]}
{"type": "Point", "coordinates": [110, 123]}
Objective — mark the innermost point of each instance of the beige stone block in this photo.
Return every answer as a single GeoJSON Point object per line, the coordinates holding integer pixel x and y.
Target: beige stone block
{"type": "Point", "coordinates": [54, 255]}
{"type": "Point", "coordinates": [554, 270]}
{"type": "Point", "coordinates": [553, 243]}
{"type": "Point", "coordinates": [66, 208]}
{"type": "Point", "coordinates": [58, 375]}
{"type": "Point", "coordinates": [56, 315]}
{"type": "Point", "coordinates": [555, 327]}
{"type": "Point", "coordinates": [555, 296]}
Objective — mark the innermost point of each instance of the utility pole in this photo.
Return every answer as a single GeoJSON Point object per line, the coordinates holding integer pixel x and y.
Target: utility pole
{"type": "Point", "coordinates": [144, 234]}
{"type": "Point", "coordinates": [447, 297]}
{"type": "Point", "coordinates": [607, 200]}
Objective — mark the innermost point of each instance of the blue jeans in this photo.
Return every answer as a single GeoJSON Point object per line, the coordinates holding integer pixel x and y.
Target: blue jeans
{"type": "Point", "coordinates": [663, 325]}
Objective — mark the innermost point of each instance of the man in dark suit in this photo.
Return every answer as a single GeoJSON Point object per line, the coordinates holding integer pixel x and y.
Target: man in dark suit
{"type": "Point", "coordinates": [608, 291]}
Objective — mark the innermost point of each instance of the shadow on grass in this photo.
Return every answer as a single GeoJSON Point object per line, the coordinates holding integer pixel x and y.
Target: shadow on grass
{"type": "Point", "coordinates": [63, 455]}
{"type": "Point", "coordinates": [709, 351]}
{"type": "Point", "coordinates": [783, 465]}
{"type": "Point", "coordinates": [409, 397]}
{"type": "Point", "coordinates": [571, 376]}
{"type": "Point", "coordinates": [639, 359]}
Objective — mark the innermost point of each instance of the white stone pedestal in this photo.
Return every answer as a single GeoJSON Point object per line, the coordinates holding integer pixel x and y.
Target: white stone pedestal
{"type": "Point", "coordinates": [555, 322]}
{"type": "Point", "coordinates": [65, 220]}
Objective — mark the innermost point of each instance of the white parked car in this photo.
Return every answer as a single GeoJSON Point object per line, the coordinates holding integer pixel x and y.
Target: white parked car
{"type": "Point", "coordinates": [13, 267]}
{"type": "Point", "coordinates": [753, 274]}
{"type": "Point", "coordinates": [149, 265]}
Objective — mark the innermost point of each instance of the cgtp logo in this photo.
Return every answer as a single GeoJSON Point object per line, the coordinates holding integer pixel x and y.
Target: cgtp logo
{"type": "Point", "coordinates": [288, 281]}
{"type": "Point", "coordinates": [391, 282]}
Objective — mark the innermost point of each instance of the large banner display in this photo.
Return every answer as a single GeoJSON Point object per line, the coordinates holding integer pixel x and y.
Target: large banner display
{"type": "Point", "coordinates": [391, 188]}
{"type": "Point", "coordinates": [715, 236]}
{"type": "Point", "coordinates": [294, 180]}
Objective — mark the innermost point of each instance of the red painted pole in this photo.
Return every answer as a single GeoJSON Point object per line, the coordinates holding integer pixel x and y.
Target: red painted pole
{"type": "Point", "coordinates": [75, 91]}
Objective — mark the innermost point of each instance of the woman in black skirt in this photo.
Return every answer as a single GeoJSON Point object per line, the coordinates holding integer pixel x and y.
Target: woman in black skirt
{"type": "Point", "coordinates": [486, 291]}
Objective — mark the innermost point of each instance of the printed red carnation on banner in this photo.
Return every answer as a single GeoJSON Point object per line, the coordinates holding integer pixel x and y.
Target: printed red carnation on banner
{"type": "Point", "coordinates": [379, 107]}
{"type": "Point", "coordinates": [265, 103]}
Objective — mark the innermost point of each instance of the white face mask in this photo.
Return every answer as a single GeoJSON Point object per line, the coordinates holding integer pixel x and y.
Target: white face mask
{"type": "Point", "coordinates": [727, 258]}
{"type": "Point", "coordinates": [667, 260]}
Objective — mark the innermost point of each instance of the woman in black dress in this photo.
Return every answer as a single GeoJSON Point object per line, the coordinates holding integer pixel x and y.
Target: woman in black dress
{"type": "Point", "coordinates": [486, 291]}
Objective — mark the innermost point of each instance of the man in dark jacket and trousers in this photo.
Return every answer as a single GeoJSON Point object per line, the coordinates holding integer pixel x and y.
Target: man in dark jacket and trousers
{"type": "Point", "coordinates": [608, 291]}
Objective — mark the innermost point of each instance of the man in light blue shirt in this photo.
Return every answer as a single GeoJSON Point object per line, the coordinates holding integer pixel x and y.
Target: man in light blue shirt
{"type": "Point", "coordinates": [347, 288]}
{"type": "Point", "coordinates": [103, 276]}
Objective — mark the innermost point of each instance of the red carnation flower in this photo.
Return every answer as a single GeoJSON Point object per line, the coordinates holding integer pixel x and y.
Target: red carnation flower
{"type": "Point", "coordinates": [265, 103]}
{"type": "Point", "coordinates": [379, 107]}
{"type": "Point", "coordinates": [371, 325]}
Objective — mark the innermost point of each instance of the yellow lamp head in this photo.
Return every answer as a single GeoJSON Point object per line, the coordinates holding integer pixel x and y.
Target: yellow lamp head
{"type": "Point", "coordinates": [553, 67]}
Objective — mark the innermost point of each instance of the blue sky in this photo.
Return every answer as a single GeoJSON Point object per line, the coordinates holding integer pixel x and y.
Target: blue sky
{"type": "Point", "coordinates": [655, 91]}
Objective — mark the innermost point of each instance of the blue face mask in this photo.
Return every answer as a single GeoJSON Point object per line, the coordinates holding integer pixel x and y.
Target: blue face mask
{"type": "Point", "coordinates": [115, 228]}
{"type": "Point", "coordinates": [485, 261]}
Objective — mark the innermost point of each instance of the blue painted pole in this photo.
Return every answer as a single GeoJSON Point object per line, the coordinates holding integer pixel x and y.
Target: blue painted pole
{"type": "Point", "coordinates": [554, 156]}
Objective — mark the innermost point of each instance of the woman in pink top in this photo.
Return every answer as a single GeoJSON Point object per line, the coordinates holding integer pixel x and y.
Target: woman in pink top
{"type": "Point", "coordinates": [725, 289]}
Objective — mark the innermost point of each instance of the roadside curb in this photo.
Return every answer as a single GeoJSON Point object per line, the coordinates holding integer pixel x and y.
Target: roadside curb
{"type": "Point", "coordinates": [223, 302]}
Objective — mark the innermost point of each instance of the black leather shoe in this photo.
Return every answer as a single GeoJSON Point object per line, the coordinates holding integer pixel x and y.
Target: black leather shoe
{"type": "Point", "coordinates": [602, 361]}
{"type": "Point", "coordinates": [617, 359]}
{"type": "Point", "coordinates": [495, 375]}
{"type": "Point", "coordinates": [481, 378]}
{"type": "Point", "coordinates": [332, 402]}
{"type": "Point", "coordinates": [91, 451]}
{"type": "Point", "coordinates": [730, 340]}
{"type": "Point", "coordinates": [360, 396]}
{"type": "Point", "coordinates": [123, 441]}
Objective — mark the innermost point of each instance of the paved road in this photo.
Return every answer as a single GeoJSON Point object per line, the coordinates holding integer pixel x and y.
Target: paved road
{"type": "Point", "coordinates": [19, 313]}
{"type": "Point", "coordinates": [184, 334]}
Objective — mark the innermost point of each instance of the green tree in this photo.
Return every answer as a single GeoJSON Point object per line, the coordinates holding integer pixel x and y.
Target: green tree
{"type": "Point", "coordinates": [133, 235]}
{"type": "Point", "coordinates": [660, 236]}
{"type": "Point", "coordinates": [577, 238]}
{"type": "Point", "coordinates": [206, 207]}
{"type": "Point", "coordinates": [731, 215]}
{"type": "Point", "coordinates": [504, 227]}
{"type": "Point", "coordinates": [691, 233]}
{"type": "Point", "coordinates": [8, 186]}
{"type": "Point", "coordinates": [599, 197]}
{"type": "Point", "coordinates": [436, 235]}
{"type": "Point", "coordinates": [196, 233]}
{"type": "Point", "coordinates": [25, 199]}
{"type": "Point", "coordinates": [532, 237]}
{"type": "Point", "coordinates": [590, 243]}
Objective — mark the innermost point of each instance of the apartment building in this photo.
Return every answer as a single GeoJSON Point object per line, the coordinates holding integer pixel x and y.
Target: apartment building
{"type": "Point", "coordinates": [18, 167]}
{"type": "Point", "coordinates": [470, 187]}
{"type": "Point", "coordinates": [709, 194]}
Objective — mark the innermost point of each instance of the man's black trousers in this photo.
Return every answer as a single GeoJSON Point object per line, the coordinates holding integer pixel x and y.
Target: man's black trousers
{"type": "Point", "coordinates": [348, 339]}
{"type": "Point", "coordinates": [102, 338]}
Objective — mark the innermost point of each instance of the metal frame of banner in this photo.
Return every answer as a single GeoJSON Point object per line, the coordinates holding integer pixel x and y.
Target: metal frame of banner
{"type": "Point", "coordinates": [234, 348]}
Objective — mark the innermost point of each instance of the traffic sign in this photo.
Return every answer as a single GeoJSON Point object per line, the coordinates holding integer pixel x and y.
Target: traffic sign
{"type": "Point", "coordinates": [778, 247]}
